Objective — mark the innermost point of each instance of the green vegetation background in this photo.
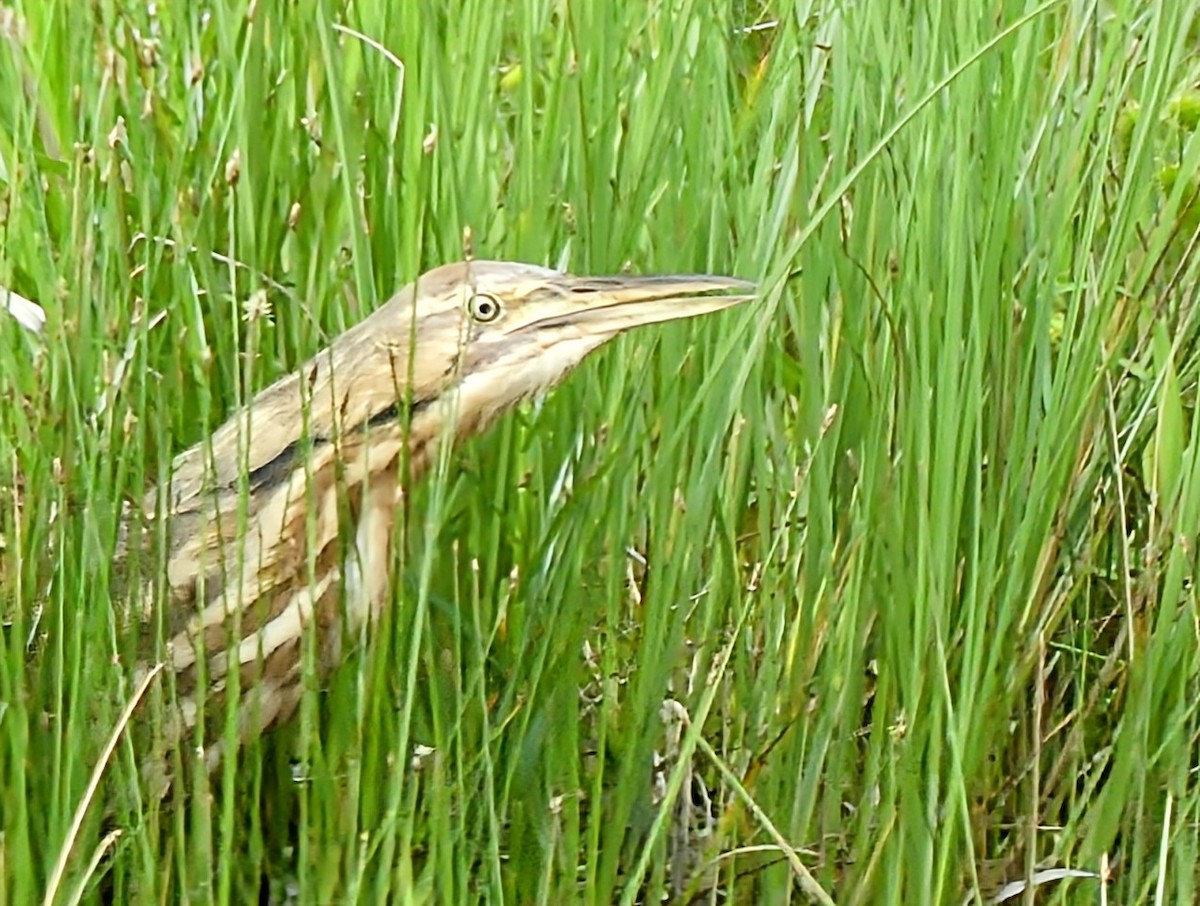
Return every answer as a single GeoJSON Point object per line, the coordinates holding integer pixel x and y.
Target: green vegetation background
{"type": "Point", "coordinates": [888, 577]}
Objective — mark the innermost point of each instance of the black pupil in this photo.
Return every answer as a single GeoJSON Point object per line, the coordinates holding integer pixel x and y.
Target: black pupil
{"type": "Point", "coordinates": [485, 308]}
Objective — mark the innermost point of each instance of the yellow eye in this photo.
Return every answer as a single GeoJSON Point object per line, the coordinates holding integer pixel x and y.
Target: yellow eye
{"type": "Point", "coordinates": [484, 308]}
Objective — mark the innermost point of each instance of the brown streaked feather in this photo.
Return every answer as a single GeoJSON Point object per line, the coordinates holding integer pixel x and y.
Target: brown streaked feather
{"type": "Point", "coordinates": [238, 572]}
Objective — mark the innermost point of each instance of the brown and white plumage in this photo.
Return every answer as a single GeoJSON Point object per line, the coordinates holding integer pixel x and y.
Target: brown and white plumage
{"type": "Point", "coordinates": [258, 547]}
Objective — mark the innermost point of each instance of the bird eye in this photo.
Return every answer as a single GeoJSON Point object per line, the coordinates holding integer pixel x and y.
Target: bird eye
{"type": "Point", "coordinates": [484, 307]}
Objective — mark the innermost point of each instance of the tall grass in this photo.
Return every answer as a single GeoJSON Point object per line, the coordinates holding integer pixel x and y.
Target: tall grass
{"type": "Point", "coordinates": [879, 590]}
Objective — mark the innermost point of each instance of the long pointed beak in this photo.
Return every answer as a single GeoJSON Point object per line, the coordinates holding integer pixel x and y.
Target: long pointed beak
{"type": "Point", "coordinates": [610, 305]}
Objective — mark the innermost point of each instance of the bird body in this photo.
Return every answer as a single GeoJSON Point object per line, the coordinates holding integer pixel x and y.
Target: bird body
{"type": "Point", "coordinates": [259, 548]}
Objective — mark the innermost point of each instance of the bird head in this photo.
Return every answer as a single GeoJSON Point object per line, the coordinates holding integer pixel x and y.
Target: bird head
{"type": "Point", "coordinates": [489, 334]}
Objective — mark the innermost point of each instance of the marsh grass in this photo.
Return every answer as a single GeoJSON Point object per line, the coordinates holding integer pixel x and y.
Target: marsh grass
{"type": "Point", "coordinates": [888, 578]}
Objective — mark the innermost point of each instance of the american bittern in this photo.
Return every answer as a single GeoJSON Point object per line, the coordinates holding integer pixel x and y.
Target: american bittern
{"type": "Point", "coordinates": [254, 510]}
